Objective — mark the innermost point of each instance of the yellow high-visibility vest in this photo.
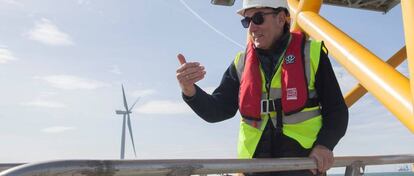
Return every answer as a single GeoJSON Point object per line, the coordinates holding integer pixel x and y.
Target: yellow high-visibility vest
{"type": "Point", "coordinates": [302, 126]}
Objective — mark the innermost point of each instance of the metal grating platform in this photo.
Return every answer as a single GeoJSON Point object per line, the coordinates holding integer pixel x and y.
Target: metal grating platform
{"type": "Point", "coordinates": [375, 5]}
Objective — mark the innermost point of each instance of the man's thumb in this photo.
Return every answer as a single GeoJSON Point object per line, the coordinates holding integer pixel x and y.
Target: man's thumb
{"type": "Point", "coordinates": [314, 172]}
{"type": "Point", "coordinates": [181, 59]}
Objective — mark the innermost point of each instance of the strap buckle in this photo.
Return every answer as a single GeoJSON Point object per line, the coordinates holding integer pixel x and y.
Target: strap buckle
{"type": "Point", "coordinates": [264, 106]}
{"type": "Point", "coordinates": [267, 106]}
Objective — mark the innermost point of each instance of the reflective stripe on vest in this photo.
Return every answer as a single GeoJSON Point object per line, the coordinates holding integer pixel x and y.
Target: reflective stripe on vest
{"type": "Point", "coordinates": [302, 126]}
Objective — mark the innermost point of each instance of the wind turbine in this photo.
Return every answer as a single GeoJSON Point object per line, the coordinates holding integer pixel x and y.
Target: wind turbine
{"type": "Point", "coordinates": [126, 117]}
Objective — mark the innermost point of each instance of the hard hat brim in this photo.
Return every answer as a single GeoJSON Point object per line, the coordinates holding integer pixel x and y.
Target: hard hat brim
{"type": "Point", "coordinates": [248, 4]}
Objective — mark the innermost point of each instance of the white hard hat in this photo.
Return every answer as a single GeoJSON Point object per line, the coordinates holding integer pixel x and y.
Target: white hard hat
{"type": "Point", "coordinates": [247, 4]}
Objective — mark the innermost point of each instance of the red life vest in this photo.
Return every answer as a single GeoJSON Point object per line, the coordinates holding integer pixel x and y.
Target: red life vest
{"type": "Point", "coordinates": [294, 83]}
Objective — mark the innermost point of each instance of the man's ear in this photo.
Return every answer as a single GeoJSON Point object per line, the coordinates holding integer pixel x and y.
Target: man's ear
{"type": "Point", "coordinates": [281, 18]}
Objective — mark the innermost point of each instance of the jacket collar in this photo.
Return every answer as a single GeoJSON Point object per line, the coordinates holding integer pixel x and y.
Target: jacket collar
{"type": "Point", "coordinates": [278, 45]}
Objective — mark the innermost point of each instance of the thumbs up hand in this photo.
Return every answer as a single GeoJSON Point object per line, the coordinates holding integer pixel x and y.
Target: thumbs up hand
{"type": "Point", "coordinates": [181, 59]}
{"type": "Point", "coordinates": [188, 74]}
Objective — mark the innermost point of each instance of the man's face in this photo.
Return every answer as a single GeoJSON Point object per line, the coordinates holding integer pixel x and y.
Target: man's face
{"type": "Point", "coordinates": [265, 34]}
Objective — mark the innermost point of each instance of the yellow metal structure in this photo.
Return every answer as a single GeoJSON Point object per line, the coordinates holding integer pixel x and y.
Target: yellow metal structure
{"type": "Point", "coordinates": [358, 91]}
{"type": "Point", "coordinates": [389, 86]}
{"type": "Point", "coordinates": [408, 18]}
{"type": "Point", "coordinates": [313, 6]}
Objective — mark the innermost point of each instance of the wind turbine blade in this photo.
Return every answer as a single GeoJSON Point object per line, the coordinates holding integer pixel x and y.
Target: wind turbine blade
{"type": "Point", "coordinates": [123, 139]}
{"type": "Point", "coordinates": [132, 107]}
{"type": "Point", "coordinates": [125, 101]}
{"type": "Point", "coordinates": [130, 133]}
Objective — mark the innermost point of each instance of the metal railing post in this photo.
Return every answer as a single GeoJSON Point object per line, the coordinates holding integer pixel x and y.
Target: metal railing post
{"type": "Point", "coordinates": [355, 169]}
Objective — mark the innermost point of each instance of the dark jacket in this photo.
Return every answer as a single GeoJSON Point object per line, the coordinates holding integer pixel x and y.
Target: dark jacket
{"type": "Point", "coordinates": [223, 104]}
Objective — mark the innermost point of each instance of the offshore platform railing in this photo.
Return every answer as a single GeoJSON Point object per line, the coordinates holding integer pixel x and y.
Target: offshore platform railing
{"type": "Point", "coordinates": [355, 166]}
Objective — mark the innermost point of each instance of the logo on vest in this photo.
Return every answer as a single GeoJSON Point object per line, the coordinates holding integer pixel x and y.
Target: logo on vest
{"type": "Point", "coordinates": [290, 59]}
{"type": "Point", "coordinates": [292, 94]}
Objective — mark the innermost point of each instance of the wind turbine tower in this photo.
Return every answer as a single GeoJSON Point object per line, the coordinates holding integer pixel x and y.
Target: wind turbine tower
{"type": "Point", "coordinates": [126, 119]}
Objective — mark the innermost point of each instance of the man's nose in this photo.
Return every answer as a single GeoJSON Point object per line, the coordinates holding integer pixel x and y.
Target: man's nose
{"type": "Point", "coordinates": [253, 27]}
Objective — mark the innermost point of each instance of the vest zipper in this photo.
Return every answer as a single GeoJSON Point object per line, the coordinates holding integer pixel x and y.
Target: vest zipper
{"type": "Point", "coordinates": [278, 126]}
{"type": "Point", "coordinates": [279, 120]}
{"type": "Point", "coordinates": [277, 103]}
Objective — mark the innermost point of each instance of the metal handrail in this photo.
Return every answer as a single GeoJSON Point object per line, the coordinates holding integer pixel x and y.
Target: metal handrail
{"type": "Point", "coordinates": [6, 166]}
{"type": "Point", "coordinates": [195, 166]}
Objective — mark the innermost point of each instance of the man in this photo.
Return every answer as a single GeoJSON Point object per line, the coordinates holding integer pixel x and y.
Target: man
{"type": "Point", "coordinates": [283, 86]}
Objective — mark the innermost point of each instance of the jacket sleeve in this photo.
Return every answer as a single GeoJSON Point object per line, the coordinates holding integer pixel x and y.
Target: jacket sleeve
{"type": "Point", "coordinates": [334, 110]}
{"type": "Point", "coordinates": [222, 104]}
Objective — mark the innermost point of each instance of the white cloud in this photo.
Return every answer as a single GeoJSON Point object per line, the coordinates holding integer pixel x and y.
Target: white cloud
{"type": "Point", "coordinates": [6, 56]}
{"type": "Point", "coordinates": [68, 82]}
{"type": "Point", "coordinates": [48, 33]}
{"type": "Point", "coordinates": [57, 129]}
{"type": "Point", "coordinates": [12, 2]}
{"type": "Point", "coordinates": [143, 93]}
{"type": "Point", "coordinates": [45, 104]}
{"type": "Point", "coordinates": [115, 70]}
{"type": "Point", "coordinates": [163, 107]}
{"type": "Point", "coordinates": [46, 94]}
{"type": "Point", "coordinates": [83, 2]}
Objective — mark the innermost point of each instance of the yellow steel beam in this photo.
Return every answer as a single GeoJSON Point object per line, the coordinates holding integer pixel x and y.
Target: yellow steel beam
{"type": "Point", "coordinates": [293, 7]}
{"type": "Point", "coordinates": [303, 5]}
{"type": "Point", "coordinates": [358, 91]}
{"type": "Point", "coordinates": [388, 85]}
{"type": "Point", "coordinates": [354, 95]}
{"type": "Point", "coordinates": [407, 7]}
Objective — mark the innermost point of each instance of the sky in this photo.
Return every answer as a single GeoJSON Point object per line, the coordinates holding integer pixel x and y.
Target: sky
{"type": "Point", "coordinates": [62, 64]}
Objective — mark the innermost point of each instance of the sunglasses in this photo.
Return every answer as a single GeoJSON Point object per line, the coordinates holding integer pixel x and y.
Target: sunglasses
{"type": "Point", "coordinates": [257, 19]}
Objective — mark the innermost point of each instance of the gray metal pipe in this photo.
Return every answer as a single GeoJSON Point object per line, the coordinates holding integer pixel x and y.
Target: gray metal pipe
{"type": "Point", "coordinates": [186, 167]}
{"type": "Point", "coordinates": [9, 165]}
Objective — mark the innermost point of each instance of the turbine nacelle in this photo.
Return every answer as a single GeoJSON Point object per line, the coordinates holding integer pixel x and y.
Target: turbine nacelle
{"type": "Point", "coordinates": [122, 112]}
